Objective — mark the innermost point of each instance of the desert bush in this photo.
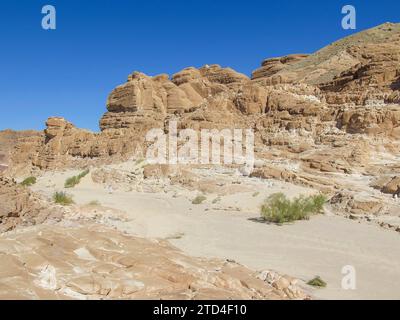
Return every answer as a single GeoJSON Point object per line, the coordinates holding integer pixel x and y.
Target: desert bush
{"type": "Point", "coordinates": [62, 198]}
{"type": "Point", "coordinates": [94, 203]}
{"type": "Point", "coordinates": [83, 174]}
{"type": "Point", "coordinates": [216, 200]}
{"type": "Point", "coordinates": [29, 182]}
{"type": "Point", "coordinates": [73, 181]}
{"type": "Point", "coordinates": [199, 199]}
{"type": "Point", "coordinates": [278, 209]}
{"type": "Point", "coordinates": [317, 282]}
{"type": "Point", "coordinates": [319, 201]}
{"type": "Point", "coordinates": [176, 236]}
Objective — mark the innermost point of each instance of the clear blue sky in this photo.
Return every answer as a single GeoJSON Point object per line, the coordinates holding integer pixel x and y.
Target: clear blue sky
{"type": "Point", "coordinates": [70, 71]}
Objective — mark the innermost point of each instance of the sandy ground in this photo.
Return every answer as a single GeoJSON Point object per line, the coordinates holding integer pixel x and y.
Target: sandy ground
{"type": "Point", "coordinates": [230, 230]}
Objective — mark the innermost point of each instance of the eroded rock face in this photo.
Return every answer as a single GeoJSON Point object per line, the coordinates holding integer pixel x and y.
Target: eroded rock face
{"type": "Point", "coordinates": [9, 139]}
{"type": "Point", "coordinates": [63, 145]}
{"type": "Point", "coordinates": [375, 121]}
{"type": "Point", "coordinates": [366, 58]}
{"type": "Point", "coordinates": [199, 97]}
{"type": "Point", "coordinates": [94, 262]}
{"type": "Point", "coordinates": [393, 186]}
{"type": "Point", "coordinates": [271, 67]}
{"type": "Point", "coordinates": [146, 101]}
{"type": "Point", "coordinates": [20, 206]}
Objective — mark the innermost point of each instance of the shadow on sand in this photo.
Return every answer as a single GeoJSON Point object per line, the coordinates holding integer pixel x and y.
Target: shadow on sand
{"type": "Point", "coordinates": [263, 221]}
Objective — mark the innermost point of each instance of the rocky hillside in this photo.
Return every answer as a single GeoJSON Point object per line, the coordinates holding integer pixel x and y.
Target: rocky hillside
{"type": "Point", "coordinates": [369, 58]}
{"type": "Point", "coordinates": [329, 120]}
{"type": "Point", "coordinates": [9, 139]}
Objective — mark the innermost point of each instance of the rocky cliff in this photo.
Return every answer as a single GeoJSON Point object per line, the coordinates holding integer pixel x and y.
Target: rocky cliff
{"type": "Point", "coordinates": [318, 119]}
{"type": "Point", "coordinates": [9, 139]}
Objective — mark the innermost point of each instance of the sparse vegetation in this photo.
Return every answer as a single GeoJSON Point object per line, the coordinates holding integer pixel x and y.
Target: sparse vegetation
{"type": "Point", "coordinates": [256, 194]}
{"type": "Point", "coordinates": [62, 198]}
{"type": "Point", "coordinates": [29, 182]}
{"type": "Point", "coordinates": [199, 199]}
{"type": "Point", "coordinates": [278, 209]}
{"type": "Point", "coordinates": [176, 236]}
{"type": "Point", "coordinates": [216, 200]}
{"type": "Point", "coordinates": [317, 282]}
{"type": "Point", "coordinates": [94, 203]}
{"type": "Point", "coordinates": [73, 181]}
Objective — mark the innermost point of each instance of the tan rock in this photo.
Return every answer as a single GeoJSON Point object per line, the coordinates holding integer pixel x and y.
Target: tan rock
{"type": "Point", "coordinates": [392, 187]}
{"type": "Point", "coordinates": [19, 206]}
{"type": "Point", "coordinates": [141, 269]}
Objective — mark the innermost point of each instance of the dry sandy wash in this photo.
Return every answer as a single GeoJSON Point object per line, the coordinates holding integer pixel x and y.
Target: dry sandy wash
{"type": "Point", "coordinates": [227, 226]}
{"type": "Point", "coordinates": [326, 123]}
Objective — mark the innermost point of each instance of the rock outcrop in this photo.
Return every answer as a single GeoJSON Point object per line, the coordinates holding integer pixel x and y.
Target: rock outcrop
{"type": "Point", "coordinates": [271, 67]}
{"type": "Point", "coordinates": [94, 262]}
{"type": "Point", "coordinates": [21, 207]}
{"type": "Point", "coordinates": [317, 119]}
{"type": "Point", "coordinates": [9, 139]}
{"type": "Point", "coordinates": [144, 102]}
{"type": "Point", "coordinates": [366, 58]}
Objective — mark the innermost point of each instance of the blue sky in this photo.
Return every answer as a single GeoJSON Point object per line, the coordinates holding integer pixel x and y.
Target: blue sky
{"type": "Point", "coordinates": [70, 71]}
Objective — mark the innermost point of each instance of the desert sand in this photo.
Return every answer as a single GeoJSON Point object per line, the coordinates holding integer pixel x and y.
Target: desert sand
{"type": "Point", "coordinates": [231, 230]}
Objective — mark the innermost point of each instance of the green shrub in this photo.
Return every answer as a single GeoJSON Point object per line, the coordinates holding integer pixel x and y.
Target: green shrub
{"type": "Point", "coordinates": [199, 199]}
{"type": "Point", "coordinates": [319, 201]}
{"type": "Point", "coordinates": [29, 182]}
{"type": "Point", "coordinates": [62, 198]}
{"type": "Point", "coordinates": [317, 282]}
{"type": "Point", "coordinates": [256, 194]}
{"type": "Point", "coordinates": [73, 181]}
{"type": "Point", "coordinates": [278, 209]}
{"type": "Point", "coordinates": [83, 174]}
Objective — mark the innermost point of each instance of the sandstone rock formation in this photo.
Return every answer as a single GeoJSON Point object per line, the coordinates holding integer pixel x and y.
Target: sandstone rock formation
{"type": "Point", "coordinates": [9, 139]}
{"type": "Point", "coordinates": [319, 120]}
{"type": "Point", "coordinates": [94, 262]}
{"type": "Point", "coordinates": [271, 68]}
{"type": "Point", "coordinates": [366, 58]}
{"type": "Point", "coordinates": [19, 206]}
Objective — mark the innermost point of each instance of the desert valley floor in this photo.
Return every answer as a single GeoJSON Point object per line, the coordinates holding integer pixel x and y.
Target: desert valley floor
{"type": "Point", "coordinates": [230, 229]}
